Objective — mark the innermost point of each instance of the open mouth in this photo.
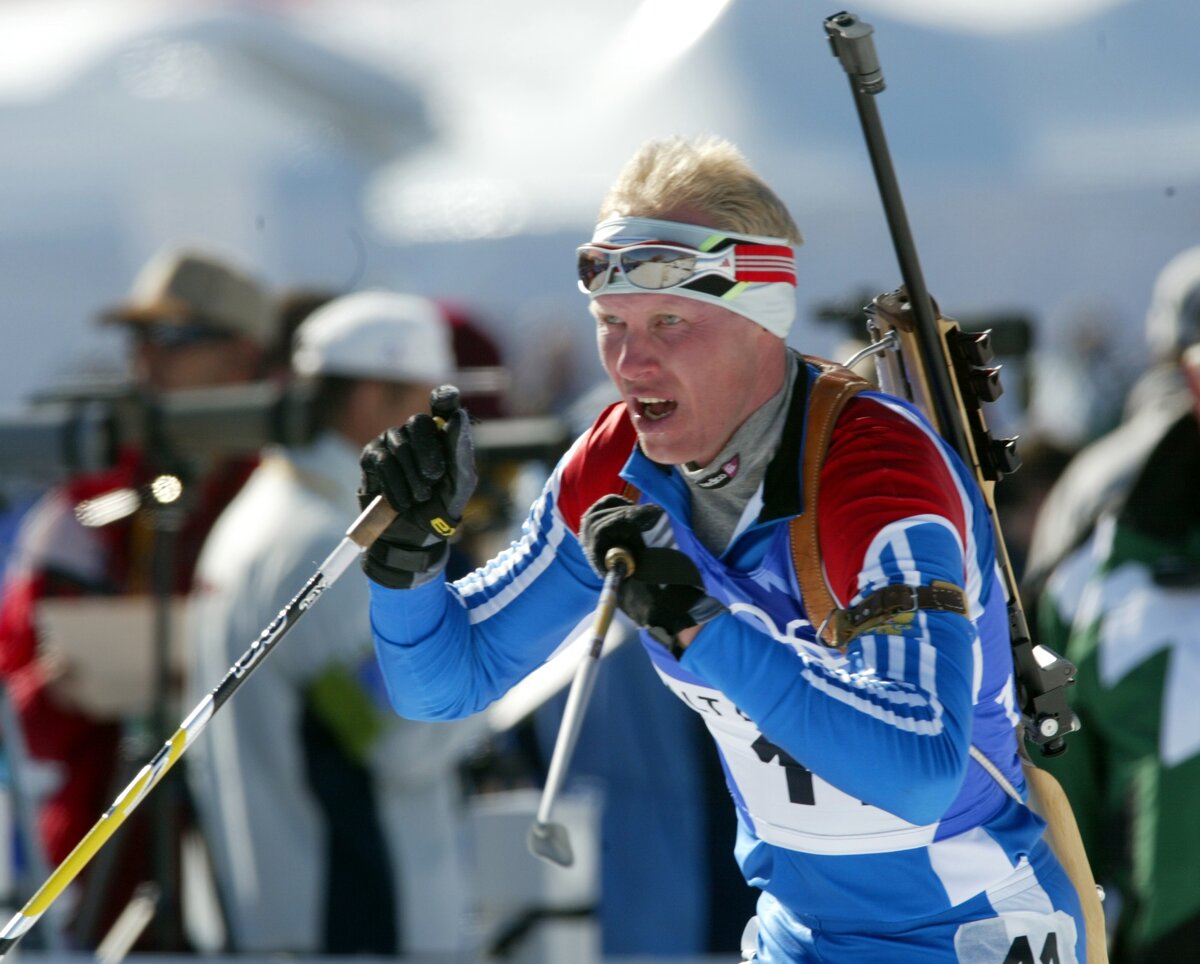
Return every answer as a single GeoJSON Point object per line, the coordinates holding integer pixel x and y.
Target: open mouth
{"type": "Point", "coordinates": [654, 409]}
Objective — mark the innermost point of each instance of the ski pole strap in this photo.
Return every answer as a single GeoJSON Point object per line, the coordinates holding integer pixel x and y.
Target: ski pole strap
{"type": "Point", "coordinates": [890, 609]}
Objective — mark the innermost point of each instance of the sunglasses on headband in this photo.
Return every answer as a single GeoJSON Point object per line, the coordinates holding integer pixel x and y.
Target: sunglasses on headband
{"type": "Point", "coordinates": [655, 265]}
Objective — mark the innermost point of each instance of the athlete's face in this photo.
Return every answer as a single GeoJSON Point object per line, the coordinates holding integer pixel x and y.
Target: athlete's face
{"type": "Point", "coordinates": [690, 373]}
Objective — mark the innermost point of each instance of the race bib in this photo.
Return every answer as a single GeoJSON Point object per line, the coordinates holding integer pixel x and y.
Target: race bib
{"type": "Point", "coordinates": [1021, 937]}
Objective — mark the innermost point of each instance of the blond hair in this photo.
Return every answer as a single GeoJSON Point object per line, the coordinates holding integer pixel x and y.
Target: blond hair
{"type": "Point", "coordinates": [706, 177]}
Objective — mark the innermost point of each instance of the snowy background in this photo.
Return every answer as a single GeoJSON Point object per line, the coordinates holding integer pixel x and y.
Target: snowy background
{"type": "Point", "coordinates": [1050, 161]}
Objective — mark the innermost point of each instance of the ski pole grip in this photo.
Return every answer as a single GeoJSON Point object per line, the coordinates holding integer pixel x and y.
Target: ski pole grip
{"type": "Point", "coordinates": [370, 524]}
{"type": "Point", "coordinates": [443, 403]}
{"type": "Point", "coordinates": [620, 561]}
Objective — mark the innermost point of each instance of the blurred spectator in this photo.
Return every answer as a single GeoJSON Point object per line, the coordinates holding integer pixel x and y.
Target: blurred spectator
{"type": "Point", "coordinates": [194, 319]}
{"type": "Point", "coordinates": [1122, 603]}
{"type": "Point", "coordinates": [1079, 379]}
{"type": "Point", "coordinates": [333, 825]}
{"type": "Point", "coordinates": [292, 307]}
{"type": "Point", "coordinates": [1102, 472]}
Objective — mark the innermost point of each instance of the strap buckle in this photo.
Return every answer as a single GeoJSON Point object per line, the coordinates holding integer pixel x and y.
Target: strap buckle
{"type": "Point", "coordinates": [885, 604]}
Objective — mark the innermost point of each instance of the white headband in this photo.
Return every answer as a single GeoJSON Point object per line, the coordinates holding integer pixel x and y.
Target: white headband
{"type": "Point", "coordinates": [771, 304]}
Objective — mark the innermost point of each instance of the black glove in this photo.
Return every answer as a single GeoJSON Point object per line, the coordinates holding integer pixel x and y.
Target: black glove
{"type": "Point", "coordinates": [427, 473]}
{"type": "Point", "coordinates": [665, 594]}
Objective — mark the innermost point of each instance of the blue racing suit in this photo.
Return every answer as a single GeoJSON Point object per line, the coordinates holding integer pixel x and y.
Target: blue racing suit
{"type": "Point", "coordinates": [870, 830]}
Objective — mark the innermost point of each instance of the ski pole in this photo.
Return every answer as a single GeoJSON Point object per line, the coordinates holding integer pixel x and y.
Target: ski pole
{"type": "Point", "coordinates": [546, 839]}
{"type": "Point", "coordinates": [362, 532]}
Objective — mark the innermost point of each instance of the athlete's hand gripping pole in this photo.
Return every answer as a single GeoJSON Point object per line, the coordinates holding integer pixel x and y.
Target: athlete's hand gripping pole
{"type": "Point", "coordinates": [942, 370]}
{"type": "Point", "coordinates": [657, 587]}
{"type": "Point", "coordinates": [375, 518]}
{"type": "Point", "coordinates": [425, 470]}
{"type": "Point", "coordinates": [547, 839]}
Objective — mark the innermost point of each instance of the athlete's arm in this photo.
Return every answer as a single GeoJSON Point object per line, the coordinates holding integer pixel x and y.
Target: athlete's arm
{"type": "Point", "coordinates": [449, 649]}
{"type": "Point", "coordinates": [894, 729]}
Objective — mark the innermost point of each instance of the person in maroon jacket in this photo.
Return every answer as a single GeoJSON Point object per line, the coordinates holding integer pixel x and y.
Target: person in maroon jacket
{"type": "Point", "coordinates": [194, 320]}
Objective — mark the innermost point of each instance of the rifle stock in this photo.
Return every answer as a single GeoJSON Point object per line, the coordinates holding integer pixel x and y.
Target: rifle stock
{"type": "Point", "coordinates": [946, 372]}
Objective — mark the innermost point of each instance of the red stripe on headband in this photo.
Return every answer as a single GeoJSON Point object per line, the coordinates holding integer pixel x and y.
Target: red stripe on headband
{"type": "Point", "coordinates": [765, 262]}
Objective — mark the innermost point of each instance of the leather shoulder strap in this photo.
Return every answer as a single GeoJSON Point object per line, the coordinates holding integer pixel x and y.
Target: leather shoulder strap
{"type": "Point", "coordinates": [832, 388]}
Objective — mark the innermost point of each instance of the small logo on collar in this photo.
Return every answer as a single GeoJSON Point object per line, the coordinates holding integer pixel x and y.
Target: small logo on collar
{"type": "Point", "coordinates": [723, 476]}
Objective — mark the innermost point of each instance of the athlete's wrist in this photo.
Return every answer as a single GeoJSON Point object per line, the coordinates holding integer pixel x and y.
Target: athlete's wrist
{"type": "Point", "coordinates": [699, 614]}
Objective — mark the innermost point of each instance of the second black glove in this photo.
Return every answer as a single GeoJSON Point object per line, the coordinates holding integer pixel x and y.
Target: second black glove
{"type": "Point", "coordinates": [665, 594]}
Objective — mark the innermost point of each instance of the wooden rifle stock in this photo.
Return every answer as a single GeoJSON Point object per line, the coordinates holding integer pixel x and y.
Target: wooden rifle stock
{"type": "Point", "coordinates": [947, 373]}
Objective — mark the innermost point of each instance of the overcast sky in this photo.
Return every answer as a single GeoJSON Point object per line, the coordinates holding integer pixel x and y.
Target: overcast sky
{"type": "Point", "coordinates": [1049, 151]}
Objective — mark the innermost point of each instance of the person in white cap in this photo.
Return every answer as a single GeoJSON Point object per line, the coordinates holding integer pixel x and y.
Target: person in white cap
{"type": "Point", "coordinates": [332, 825]}
{"type": "Point", "coordinates": [1118, 594]}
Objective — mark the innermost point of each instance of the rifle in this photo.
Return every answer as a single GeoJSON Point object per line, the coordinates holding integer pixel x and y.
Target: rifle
{"type": "Point", "coordinates": [946, 372]}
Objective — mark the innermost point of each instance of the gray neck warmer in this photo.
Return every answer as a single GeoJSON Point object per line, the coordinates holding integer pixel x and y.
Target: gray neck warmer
{"type": "Point", "coordinates": [722, 489]}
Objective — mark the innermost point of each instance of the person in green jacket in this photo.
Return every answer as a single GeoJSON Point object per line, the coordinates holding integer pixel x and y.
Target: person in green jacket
{"type": "Point", "coordinates": [1124, 606]}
